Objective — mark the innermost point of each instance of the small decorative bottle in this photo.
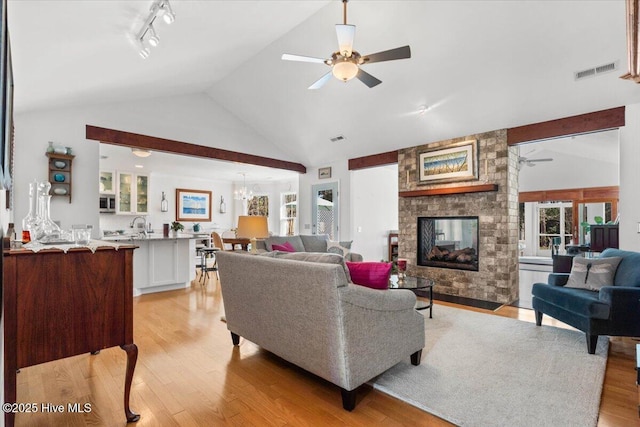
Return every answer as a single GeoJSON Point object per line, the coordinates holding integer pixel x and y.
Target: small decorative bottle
{"type": "Point", "coordinates": [50, 148]}
{"type": "Point", "coordinates": [164, 205]}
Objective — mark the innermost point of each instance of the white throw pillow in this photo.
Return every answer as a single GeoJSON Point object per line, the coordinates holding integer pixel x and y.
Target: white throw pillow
{"type": "Point", "coordinates": [340, 248]}
{"type": "Point", "coordinates": [592, 273]}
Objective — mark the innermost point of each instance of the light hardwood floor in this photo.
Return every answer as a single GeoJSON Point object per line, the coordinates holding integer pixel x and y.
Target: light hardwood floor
{"type": "Point", "coordinates": [189, 374]}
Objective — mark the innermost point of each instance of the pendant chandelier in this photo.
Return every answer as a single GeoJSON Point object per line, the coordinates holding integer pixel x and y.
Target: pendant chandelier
{"type": "Point", "coordinates": [243, 193]}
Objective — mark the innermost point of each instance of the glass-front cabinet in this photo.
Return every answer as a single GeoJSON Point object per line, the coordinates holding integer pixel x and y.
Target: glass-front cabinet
{"type": "Point", "coordinates": [107, 185]}
{"type": "Point", "coordinates": [132, 193]}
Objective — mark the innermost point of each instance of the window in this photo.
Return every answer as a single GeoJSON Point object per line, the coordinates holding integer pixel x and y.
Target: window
{"type": "Point", "coordinates": [555, 224]}
{"type": "Point", "coordinates": [288, 214]}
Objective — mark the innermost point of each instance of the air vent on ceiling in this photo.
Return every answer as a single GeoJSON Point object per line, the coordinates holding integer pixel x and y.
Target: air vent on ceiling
{"type": "Point", "coordinates": [338, 138]}
{"type": "Point", "coordinates": [612, 66]}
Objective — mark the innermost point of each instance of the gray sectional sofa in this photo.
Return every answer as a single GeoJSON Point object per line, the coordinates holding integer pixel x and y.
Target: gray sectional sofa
{"type": "Point", "coordinates": [301, 307]}
{"type": "Point", "coordinates": [307, 243]}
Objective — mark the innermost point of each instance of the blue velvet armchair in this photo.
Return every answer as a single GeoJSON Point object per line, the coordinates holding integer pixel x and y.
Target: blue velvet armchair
{"type": "Point", "coordinates": [614, 310]}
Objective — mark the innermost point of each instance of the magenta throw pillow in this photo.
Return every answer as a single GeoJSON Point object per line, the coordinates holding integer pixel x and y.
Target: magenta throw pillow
{"type": "Point", "coordinates": [285, 247]}
{"type": "Point", "coordinates": [371, 274]}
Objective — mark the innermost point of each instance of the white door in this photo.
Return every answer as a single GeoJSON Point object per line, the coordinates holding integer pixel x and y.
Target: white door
{"type": "Point", "coordinates": [325, 210]}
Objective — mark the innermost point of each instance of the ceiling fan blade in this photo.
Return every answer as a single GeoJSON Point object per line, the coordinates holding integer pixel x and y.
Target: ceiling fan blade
{"type": "Point", "coordinates": [388, 55]}
{"type": "Point", "coordinates": [346, 34]}
{"type": "Point", "coordinates": [367, 78]}
{"type": "Point", "coordinates": [321, 81]}
{"type": "Point", "coordinates": [290, 57]}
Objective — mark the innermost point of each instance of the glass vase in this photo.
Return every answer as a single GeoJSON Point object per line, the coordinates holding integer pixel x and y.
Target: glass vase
{"type": "Point", "coordinates": [31, 222]}
{"type": "Point", "coordinates": [48, 230]}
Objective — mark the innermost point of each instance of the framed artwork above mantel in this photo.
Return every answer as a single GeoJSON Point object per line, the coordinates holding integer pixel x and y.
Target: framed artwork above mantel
{"type": "Point", "coordinates": [450, 163]}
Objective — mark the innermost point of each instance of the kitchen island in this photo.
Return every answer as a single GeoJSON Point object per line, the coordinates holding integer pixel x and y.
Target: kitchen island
{"type": "Point", "coordinates": [161, 263]}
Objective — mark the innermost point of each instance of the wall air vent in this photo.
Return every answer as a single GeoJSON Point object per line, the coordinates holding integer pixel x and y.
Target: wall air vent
{"type": "Point", "coordinates": [338, 138]}
{"type": "Point", "coordinates": [590, 72]}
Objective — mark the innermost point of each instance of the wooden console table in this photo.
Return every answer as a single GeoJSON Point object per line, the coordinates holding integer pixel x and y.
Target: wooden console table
{"type": "Point", "coordinates": [58, 305]}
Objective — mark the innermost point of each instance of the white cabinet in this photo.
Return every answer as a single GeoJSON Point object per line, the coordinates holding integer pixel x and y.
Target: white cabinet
{"type": "Point", "coordinates": [132, 192]}
{"type": "Point", "coordinates": [163, 264]}
{"type": "Point", "coordinates": [163, 260]}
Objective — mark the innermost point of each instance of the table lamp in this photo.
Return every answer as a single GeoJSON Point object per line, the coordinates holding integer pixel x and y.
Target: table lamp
{"type": "Point", "coordinates": [252, 227]}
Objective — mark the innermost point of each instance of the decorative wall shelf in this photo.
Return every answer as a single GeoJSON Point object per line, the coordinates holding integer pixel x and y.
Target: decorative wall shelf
{"type": "Point", "coordinates": [59, 174]}
{"type": "Point", "coordinates": [450, 190]}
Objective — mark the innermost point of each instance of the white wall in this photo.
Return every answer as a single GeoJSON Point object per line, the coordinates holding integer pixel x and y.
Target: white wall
{"type": "Point", "coordinates": [273, 190]}
{"type": "Point", "coordinates": [629, 206]}
{"type": "Point", "coordinates": [192, 118]}
{"type": "Point", "coordinates": [568, 170]}
{"type": "Point", "coordinates": [374, 210]}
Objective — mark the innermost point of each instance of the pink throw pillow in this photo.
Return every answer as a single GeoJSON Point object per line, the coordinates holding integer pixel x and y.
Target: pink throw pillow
{"type": "Point", "coordinates": [285, 247]}
{"type": "Point", "coordinates": [371, 274]}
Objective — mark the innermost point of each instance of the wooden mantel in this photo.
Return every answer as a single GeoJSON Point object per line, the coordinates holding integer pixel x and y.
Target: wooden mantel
{"type": "Point", "coordinates": [450, 190]}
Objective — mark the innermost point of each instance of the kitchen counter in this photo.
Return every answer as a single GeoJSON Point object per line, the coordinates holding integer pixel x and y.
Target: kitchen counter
{"type": "Point", "coordinates": [161, 263]}
{"type": "Point", "coordinates": [151, 236]}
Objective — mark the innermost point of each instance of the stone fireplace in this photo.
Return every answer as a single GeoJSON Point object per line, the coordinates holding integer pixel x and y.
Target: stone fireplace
{"type": "Point", "coordinates": [495, 277]}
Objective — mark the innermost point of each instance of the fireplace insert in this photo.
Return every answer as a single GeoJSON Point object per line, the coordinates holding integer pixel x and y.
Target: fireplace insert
{"type": "Point", "coordinates": [448, 242]}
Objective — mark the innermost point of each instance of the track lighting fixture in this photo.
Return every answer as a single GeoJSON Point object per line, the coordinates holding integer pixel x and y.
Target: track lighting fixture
{"type": "Point", "coordinates": [144, 51]}
{"type": "Point", "coordinates": [167, 14]}
{"type": "Point", "coordinates": [154, 40]}
{"type": "Point", "coordinates": [148, 32]}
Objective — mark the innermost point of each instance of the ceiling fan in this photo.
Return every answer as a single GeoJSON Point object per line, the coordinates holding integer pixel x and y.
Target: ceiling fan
{"type": "Point", "coordinates": [531, 162]}
{"type": "Point", "coordinates": [345, 63]}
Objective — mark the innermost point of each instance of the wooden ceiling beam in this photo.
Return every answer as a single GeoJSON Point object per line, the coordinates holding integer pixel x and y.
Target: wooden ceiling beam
{"type": "Point", "coordinates": [574, 125]}
{"type": "Point", "coordinates": [380, 159]}
{"type": "Point", "coordinates": [128, 139]}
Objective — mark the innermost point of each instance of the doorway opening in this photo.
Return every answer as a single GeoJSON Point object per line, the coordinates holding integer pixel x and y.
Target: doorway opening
{"type": "Point", "coordinates": [325, 208]}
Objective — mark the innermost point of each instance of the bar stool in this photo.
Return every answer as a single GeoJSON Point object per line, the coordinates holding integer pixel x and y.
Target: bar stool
{"type": "Point", "coordinates": [204, 270]}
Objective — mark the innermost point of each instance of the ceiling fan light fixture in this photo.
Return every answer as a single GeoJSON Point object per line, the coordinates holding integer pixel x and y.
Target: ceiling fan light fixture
{"type": "Point", "coordinates": [344, 70]}
{"type": "Point", "coordinates": [345, 63]}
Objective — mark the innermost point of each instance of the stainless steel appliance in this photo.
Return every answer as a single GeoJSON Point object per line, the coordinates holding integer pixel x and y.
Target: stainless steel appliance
{"type": "Point", "coordinates": [107, 203]}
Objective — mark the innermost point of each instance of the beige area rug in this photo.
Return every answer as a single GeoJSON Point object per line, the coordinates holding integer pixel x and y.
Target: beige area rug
{"type": "Point", "coordinates": [484, 370]}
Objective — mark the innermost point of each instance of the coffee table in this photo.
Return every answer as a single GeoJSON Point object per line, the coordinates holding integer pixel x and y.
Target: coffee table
{"type": "Point", "coordinates": [413, 284]}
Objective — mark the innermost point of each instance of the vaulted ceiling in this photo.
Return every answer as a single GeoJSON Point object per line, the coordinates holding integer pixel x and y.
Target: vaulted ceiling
{"type": "Point", "coordinates": [476, 65]}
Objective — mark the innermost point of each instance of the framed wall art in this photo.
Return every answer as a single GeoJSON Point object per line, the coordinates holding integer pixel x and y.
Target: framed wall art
{"type": "Point", "coordinates": [324, 173]}
{"type": "Point", "coordinates": [258, 205]}
{"type": "Point", "coordinates": [193, 205]}
{"type": "Point", "coordinates": [455, 162]}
